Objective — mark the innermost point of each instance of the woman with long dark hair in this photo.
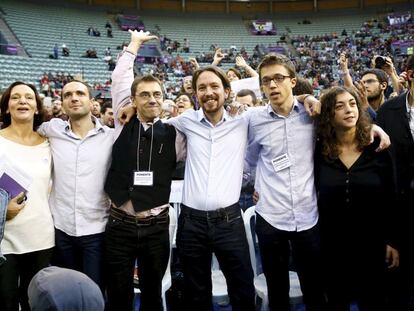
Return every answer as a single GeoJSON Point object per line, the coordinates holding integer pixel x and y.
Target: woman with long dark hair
{"type": "Point", "coordinates": [356, 194]}
{"type": "Point", "coordinates": [28, 230]}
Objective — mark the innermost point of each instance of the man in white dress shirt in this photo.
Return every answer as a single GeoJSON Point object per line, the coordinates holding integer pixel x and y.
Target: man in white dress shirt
{"type": "Point", "coordinates": [81, 151]}
{"type": "Point", "coordinates": [210, 219]}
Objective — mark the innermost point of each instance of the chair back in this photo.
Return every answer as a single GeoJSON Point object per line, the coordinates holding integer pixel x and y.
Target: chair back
{"type": "Point", "coordinates": [247, 217]}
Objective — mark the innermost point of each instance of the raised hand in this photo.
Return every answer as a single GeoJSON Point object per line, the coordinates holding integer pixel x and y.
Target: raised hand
{"type": "Point", "coordinates": [343, 61]}
{"type": "Point", "coordinates": [218, 56]}
{"type": "Point", "coordinates": [194, 63]}
{"type": "Point", "coordinates": [141, 36]}
{"type": "Point", "coordinates": [362, 94]}
{"type": "Point", "coordinates": [240, 62]}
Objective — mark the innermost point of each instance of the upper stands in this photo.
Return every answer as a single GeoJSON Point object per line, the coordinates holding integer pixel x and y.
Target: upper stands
{"type": "Point", "coordinates": [40, 27]}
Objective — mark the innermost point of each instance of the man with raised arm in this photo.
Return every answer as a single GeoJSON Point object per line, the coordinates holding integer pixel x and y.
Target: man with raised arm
{"type": "Point", "coordinates": [138, 184]}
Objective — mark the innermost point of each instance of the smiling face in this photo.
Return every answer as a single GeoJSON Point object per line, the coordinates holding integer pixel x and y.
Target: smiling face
{"type": "Point", "coordinates": [76, 100]}
{"type": "Point", "coordinates": [346, 112]}
{"type": "Point", "coordinates": [210, 92]}
{"type": "Point", "coordinates": [183, 103]}
{"type": "Point", "coordinates": [22, 105]}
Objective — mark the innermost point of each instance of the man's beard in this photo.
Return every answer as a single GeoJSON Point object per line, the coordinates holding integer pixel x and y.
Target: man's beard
{"type": "Point", "coordinates": [375, 96]}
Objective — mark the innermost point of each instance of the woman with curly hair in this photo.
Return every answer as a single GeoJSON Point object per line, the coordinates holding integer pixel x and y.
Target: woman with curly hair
{"type": "Point", "coordinates": [28, 230]}
{"type": "Point", "coordinates": [356, 199]}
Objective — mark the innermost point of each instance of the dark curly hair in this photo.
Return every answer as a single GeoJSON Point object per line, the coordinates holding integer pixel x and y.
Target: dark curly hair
{"type": "Point", "coordinates": [4, 105]}
{"type": "Point", "coordinates": [326, 132]}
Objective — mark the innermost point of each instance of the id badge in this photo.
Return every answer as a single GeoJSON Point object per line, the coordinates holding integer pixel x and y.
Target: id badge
{"type": "Point", "coordinates": [143, 178]}
{"type": "Point", "coordinates": [281, 162]}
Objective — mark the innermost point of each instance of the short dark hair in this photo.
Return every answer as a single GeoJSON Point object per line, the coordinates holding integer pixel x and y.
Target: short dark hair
{"type": "Point", "coordinates": [82, 82]}
{"type": "Point", "coordinates": [217, 71]}
{"type": "Point", "coordinates": [302, 86]}
{"type": "Point", "coordinates": [326, 131]}
{"type": "Point", "coordinates": [379, 73]}
{"type": "Point", "coordinates": [247, 92]}
{"type": "Point", "coordinates": [145, 78]}
{"type": "Point", "coordinates": [277, 59]}
{"type": "Point", "coordinates": [105, 105]}
{"type": "Point", "coordinates": [236, 72]}
{"type": "Point", "coordinates": [4, 105]}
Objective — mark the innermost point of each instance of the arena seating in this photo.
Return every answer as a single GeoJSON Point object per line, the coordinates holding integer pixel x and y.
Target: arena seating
{"type": "Point", "coordinates": [39, 28]}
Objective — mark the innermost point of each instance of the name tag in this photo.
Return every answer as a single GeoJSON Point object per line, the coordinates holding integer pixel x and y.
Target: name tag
{"type": "Point", "coordinates": [143, 178]}
{"type": "Point", "coordinates": [281, 162]}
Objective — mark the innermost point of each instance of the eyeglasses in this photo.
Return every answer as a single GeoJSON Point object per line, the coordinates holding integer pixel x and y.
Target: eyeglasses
{"type": "Point", "coordinates": [147, 95]}
{"type": "Point", "coordinates": [369, 81]}
{"type": "Point", "coordinates": [278, 78]}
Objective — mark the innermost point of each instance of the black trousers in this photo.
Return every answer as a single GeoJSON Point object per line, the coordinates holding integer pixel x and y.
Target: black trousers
{"type": "Point", "coordinates": [15, 276]}
{"type": "Point", "coordinates": [202, 233]}
{"type": "Point", "coordinates": [275, 248]}
{"type": "Point", "coordinates": [150, 245]}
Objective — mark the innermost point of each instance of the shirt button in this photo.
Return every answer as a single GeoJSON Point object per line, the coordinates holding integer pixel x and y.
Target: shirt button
{"type": "Point", "coordinates": [347, 200]}
{"type": "Point", "coordinates": [131, 189]}
{"type": "Point", "coordinates": [347, 190]}
{"type": "Point", "coordinates": [141, 151]}
{"type": "Point", "coordinates": [347, 173]}
{"type": "Point", "coordinates": [347, 181]}
{"type": "Point", "coordinates": [142, 138]}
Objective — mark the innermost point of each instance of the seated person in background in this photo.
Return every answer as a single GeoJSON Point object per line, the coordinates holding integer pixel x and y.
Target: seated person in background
{"type": "Point", "coordinates": [59, 289]}
{"type": "Point", "coordinates": [65, 50]}
{"type": "Point", "coordinates": [90, 53]}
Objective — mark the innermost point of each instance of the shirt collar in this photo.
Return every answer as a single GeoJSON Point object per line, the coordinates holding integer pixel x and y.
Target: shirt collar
{"type": "Point", "coordinates": [98, 125]}
{"type": "Point", "coordinates": [202, 118]}
{"type": "Point", "coordinates": [146, 125]}
{"type": "Point", "coordinates": [296, 107]}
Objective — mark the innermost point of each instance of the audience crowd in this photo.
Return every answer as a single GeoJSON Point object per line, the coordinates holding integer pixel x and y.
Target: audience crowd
{"type": "Point", "coordinates": [331, 179]}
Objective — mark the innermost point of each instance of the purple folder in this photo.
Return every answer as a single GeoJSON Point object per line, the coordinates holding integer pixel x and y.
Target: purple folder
{"type": "Point", "coordinates": [10, 185]}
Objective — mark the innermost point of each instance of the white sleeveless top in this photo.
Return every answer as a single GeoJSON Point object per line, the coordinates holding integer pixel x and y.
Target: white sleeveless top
{"type": "Point", "coordinates": [32, 229]}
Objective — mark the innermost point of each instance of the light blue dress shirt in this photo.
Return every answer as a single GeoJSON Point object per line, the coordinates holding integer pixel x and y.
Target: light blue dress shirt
{"type": "Point", "coordinates": [287, 196]}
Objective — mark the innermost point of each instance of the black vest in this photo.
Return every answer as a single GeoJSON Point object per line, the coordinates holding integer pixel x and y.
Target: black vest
{"type": "Point", "coordinates": [119, 181]}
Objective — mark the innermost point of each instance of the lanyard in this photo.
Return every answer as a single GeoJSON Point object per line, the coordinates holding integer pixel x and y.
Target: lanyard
{"type": "Point", "coordinates": [139, 140]}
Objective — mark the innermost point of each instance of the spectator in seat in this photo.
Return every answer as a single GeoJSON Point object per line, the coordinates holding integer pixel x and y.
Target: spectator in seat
{"type": "Point", "coordinates": [65, 50]}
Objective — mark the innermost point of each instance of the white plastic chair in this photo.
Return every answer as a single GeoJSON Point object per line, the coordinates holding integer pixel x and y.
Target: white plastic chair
{"type": "Point", "coordinates": [166, 280]}
{"type": "Point", "coordinates": [219, 291]}
{"type": "Point", "coordinates": [260, 284]}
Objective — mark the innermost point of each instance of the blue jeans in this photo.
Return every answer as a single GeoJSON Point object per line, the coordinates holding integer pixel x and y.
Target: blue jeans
{"type": "Point", "coordinates": [84, 254]}
{"type": "Point", "coordinates": [202, 233]}
{"type": "Point", "coordinates": [306, 252]}
{"type": "Point", "coordinates": [4, 200]}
